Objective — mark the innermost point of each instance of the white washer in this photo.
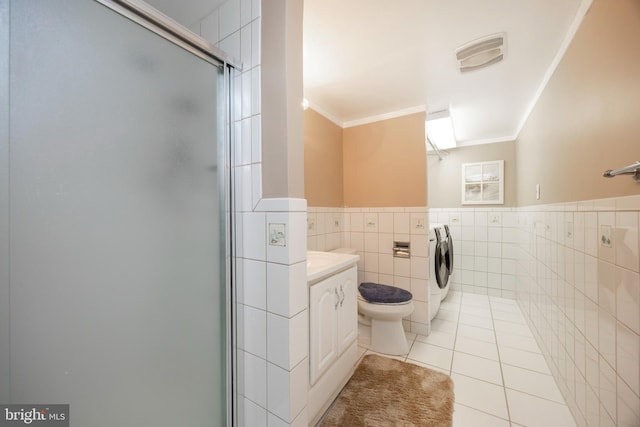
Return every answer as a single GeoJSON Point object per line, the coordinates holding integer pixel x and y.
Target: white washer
{"type": "Point", "coordinates": [439, 266]}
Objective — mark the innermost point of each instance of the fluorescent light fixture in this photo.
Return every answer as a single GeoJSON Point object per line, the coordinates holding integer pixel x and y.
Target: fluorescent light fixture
{"type": "Point", "coordinates": [440, 129]}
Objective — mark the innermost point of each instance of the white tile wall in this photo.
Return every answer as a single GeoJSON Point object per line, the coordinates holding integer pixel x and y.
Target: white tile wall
{"type": "Point", "coordinates": [578, 285]}
{"type": "Point", "coordinates": [287, 390]}
{"type": "Point", "coordinates": [574, 268]}
{"type": "Point", "coordinates": [485, 248]}
{"type": "Point", "coordinates": [372, 231]}
{"type": "Point", "coordinates": [273, 314]}
{"type": "Point", "coordinates": [285, 297]}
{"type": "Point", "coordinates": [271, 283]}
{"type": "Point", "coordinates": [322, 233]}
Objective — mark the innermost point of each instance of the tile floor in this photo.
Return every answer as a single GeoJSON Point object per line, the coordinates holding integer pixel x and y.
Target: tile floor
{"type": "Point", "coordinates": [499, 373]}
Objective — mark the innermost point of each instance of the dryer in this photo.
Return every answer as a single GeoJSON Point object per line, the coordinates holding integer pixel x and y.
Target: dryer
{"type": "Point", "coordinates": [440, 266]}
{"type": "Point", "coordinates": [449, 262]}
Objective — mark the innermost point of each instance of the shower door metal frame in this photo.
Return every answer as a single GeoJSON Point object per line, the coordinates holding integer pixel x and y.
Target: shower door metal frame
{"type": "Point", "coordinates": [152, 19]}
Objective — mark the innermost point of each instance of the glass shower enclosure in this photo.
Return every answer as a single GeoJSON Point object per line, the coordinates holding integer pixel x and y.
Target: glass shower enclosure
{"type": "Point", "coordinates": [114, 218]}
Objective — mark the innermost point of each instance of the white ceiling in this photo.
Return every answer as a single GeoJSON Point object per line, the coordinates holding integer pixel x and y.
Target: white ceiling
{"type": "Point", "coordinates": [366, 58]}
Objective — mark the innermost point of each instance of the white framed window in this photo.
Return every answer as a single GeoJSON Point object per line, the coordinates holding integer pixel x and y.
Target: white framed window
{"type": "Point", "coordinates": [483, 183]}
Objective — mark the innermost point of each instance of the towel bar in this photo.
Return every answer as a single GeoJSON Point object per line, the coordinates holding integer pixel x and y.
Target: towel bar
{"type": "Point", "coordinates": [633, 169]}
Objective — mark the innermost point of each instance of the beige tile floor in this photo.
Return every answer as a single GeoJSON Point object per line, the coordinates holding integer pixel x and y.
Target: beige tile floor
{"type": "Point", "coordinates": [500, 376]}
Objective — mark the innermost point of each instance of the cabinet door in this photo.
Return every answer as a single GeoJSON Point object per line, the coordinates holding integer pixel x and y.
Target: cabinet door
{"type": "Point", "coordinates": [323, 340]}
{"type": "Point", "coordinates": [348, 310]}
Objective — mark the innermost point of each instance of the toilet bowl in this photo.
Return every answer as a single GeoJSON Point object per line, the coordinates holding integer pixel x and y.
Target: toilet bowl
{"type": "Point", "coordinates": [382, 321]}
{"type": "Point", "coordinates": [385, 321]}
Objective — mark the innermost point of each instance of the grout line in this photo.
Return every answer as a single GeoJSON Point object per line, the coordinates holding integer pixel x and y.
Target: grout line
{"type": "Point", "coordinates": [484, 412]}
{"type": "Point", "coordinates": [455, 339]}
{"type": "Point", "coordinates": [504, 384]}
{"type": "Point", "coordinates": [540, 397]}
{"type": "Point", "coordinates": [413, 341]}
{"type": "Point", "coordinates": [527, 369]}
{"type": "Point", "coordinates": [478, 356]}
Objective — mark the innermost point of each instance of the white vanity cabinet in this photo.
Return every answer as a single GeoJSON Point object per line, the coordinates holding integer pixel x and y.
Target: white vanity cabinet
{"type": "Point", "coordinates": [348, 312]}
{"type": "Point", "coordinates": [332, 278]}
{"type": "Point", "coordinates": [333, 320]}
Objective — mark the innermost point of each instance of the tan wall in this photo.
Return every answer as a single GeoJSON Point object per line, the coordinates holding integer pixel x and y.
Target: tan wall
{"type": "Point", "coordinates": [385, 163]}
{"type": "Point", "coordinates": [588, 118]}
{"type": "Point", "coordinates": [323, 180]}
{"type": "Point", "coordinates": [281, 98]}
{"type": "Point", "coordinates": [445, 176]}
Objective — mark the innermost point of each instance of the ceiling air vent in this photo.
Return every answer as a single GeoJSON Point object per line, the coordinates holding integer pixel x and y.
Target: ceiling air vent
{"type": "Point", "coordinates": [481, 53]}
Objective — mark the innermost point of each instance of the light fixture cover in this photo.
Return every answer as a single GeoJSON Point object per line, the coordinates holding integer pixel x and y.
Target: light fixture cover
{"type": "Point", "coordinates": [481, 53]}
{"type": "Point", "coordinates": [439, 129]}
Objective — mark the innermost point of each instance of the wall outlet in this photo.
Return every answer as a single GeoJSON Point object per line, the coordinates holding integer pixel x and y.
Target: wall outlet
{"type": "Point", "coordinates": [494, 219]}
{"type": "Point", "coordinates": [568, 227]}
{"type": "Point", "coordinates": [277, 235]}
{"type": "Point", "coordinates": [311, 224]}
{"type": "Point", "coordinates": [454, 218]}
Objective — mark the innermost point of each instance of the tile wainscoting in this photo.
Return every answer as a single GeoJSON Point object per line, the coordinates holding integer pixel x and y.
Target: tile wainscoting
{"type": "Point", "coordinates": [272, 303]}
{"type": "Point", "coordinates": [485, 248]}
{"type": "Point", "coordinates": [372, 232]}
{"type": "Point", "coordinates": [573, 268]}
{"type": "Point", "coordinates": [579, 288]}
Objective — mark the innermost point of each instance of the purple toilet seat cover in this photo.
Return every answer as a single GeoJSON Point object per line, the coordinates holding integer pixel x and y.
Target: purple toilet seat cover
{"type": "Point", "coordinates": [383, 294]}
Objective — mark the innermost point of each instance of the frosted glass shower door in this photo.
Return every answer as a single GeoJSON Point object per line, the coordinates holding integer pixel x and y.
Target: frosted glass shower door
{"type": "Point", "coordinates": [116, 207]}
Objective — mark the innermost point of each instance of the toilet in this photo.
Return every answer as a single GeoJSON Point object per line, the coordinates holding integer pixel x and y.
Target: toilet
{"type": "Point", "coordinates": [381, 309]}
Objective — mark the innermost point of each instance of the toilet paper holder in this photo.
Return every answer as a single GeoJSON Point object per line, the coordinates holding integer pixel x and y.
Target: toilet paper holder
{"type": "Point", "coordinates": [401, 249]}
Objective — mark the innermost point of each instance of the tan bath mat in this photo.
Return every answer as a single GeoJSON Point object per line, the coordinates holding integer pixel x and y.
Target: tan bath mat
{"type": "Point", "coordinates": [387, 392]}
